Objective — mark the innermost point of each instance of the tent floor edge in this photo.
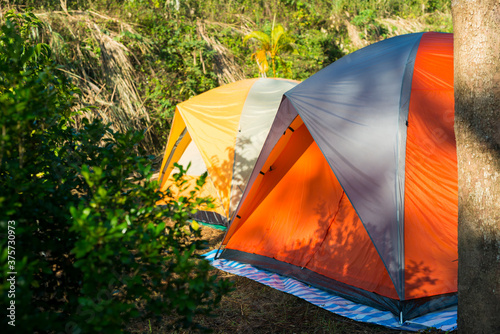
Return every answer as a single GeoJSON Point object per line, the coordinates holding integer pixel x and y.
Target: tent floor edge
{"type": "Point", "coordinates": [409, 308]}
{"type": "Point", "coordinates": [211, 218]}
{"type": "Point", "coordinates": [413, 308]}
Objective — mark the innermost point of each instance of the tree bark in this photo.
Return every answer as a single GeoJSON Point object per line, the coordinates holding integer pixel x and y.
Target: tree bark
{"type": "Point", "coordinates": [477, 128]}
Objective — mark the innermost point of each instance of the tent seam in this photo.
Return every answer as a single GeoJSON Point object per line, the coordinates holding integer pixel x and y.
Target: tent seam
{"type": "Point", "coordinates": [404, 106]}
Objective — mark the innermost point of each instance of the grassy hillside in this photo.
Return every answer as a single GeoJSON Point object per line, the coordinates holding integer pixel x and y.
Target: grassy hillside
{"type": "Point", "coordinates": [136, 59]}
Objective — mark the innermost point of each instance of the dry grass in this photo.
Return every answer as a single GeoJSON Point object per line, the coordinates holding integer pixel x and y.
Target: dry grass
{"type": "Point", "coordinates": [256, 308]}
{"type": "Point", "coordinates": [88, 44]}
{"type": "Point", "coordinates": [394, 26]}
{"type": "Point", "coordinates": [353, 33]}
{"type": "Point", "coordinates": [101, 66]}
{"type": "Point", "coordinates": [225, 66]}
{"type": "Point", "coordinates": [400, 26]}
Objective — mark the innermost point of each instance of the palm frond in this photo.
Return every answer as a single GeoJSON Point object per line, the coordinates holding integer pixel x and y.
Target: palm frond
{"type": "Point", "coordinates": [261, 37]}
{"type": "Point", "coordinates": [276, 34]}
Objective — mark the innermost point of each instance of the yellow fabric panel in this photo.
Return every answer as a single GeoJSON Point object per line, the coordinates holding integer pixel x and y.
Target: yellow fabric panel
{"type": "Point", "coordinates": [208, 190]}
{"type": "Point", "coordinates": [176, 155]}
{"type": "Point", "coordinates": [178, 127]}
{"type": "Point", "coordinates": [212, 119]}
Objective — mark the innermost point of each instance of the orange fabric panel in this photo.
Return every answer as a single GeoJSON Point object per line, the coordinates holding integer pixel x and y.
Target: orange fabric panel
{"type": "Point", "coordinates": [176, 155]}
{"type": "Point", "coordinates": [305, 219]}
{"type": "Point", "coordinates": [176, 130]}
{"type": "Point", "coordinates": [284, 226]}
{"type": "Point", "coordinates": [282, 143]}
{"type": "Point", "coordinates": [288, 149]}
{"type": "Point", "coordinates": [347, 254]}
{"type": "Point", "coordinates": [431, 200]}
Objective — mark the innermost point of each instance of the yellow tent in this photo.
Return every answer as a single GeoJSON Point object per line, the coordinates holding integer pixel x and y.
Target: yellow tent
{"type": "Point", "coordinates": [222, 132]}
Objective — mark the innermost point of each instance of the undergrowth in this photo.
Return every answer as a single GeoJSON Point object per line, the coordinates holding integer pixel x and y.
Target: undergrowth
{"type": "Point", "coordinates": [87, 249]}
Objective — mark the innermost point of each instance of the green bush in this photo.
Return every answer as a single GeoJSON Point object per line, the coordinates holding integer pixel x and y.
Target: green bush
{"type": "Point", "coordinates": [80, 229]}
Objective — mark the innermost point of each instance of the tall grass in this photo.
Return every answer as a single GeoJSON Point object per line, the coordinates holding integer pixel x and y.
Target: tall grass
{"type": "Point", "coordinates": [88, 45]}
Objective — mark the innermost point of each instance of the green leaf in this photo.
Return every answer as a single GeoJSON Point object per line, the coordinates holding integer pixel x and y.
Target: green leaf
{"type": "Point", "coordinates": [194, 225]}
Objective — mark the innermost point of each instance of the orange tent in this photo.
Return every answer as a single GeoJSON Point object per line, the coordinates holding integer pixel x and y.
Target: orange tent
{"type": "Point", "coordinates": [355, 189]}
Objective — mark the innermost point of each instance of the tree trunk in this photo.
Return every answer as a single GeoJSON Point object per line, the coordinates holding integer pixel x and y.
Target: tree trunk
{"type": "Point", "coordinates": [477, 128]}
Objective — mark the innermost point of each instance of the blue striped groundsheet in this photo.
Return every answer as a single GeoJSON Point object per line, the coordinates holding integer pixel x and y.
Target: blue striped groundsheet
{"type": "Point", "coordinates": [445, 319]}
